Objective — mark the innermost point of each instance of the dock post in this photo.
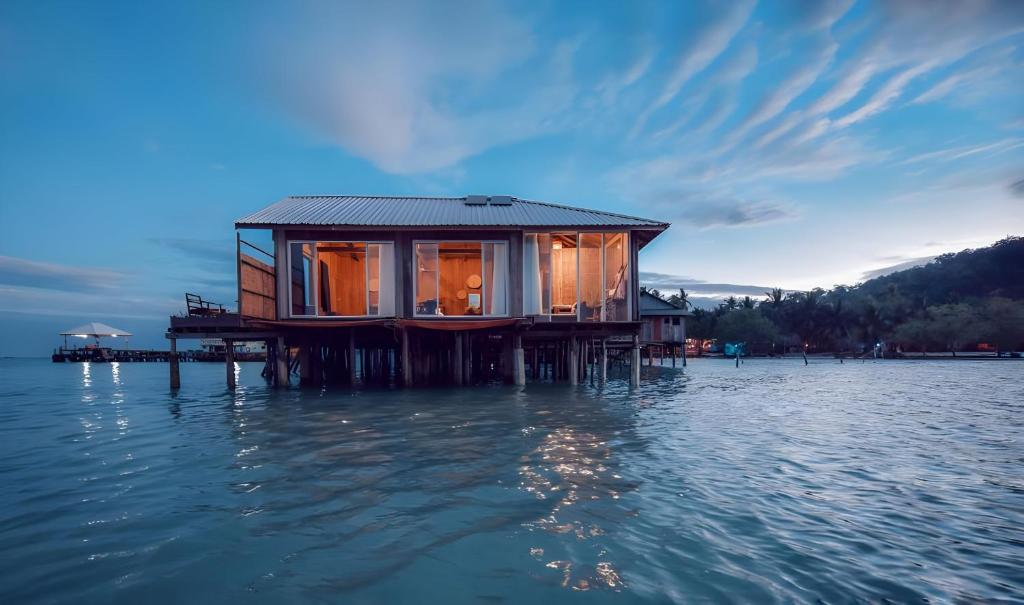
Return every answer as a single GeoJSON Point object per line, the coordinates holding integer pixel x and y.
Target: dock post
{"type": "Point", "coordinates": [352, 357]}
{"type": "Point", "coordinates": [673, 349]}
{"type": "Point", "coordinates": [281, 361]}
{"type": "Point", "coordinates": [457, 364]}
{"type": "Point", "coordinates": [519, 360]}
{"type": "Point", "coordinates": [229, 362]}
{"type": "Point", "coordinates": [175, 370]}
{"type": "Point", "coordinates": [305, 371]}
{"type": "Point", "coordinates": [574, 361]}
{"type": "Point", "coordinates": [406, 361]}
{"type": "Point", "coordinates": [634, 363]}
{"type": "Point", "coordinates": [604, 360]}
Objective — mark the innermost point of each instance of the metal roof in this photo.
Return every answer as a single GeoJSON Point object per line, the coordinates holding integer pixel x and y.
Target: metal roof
{"type": "Point", "coordinates": [378, 211]}
{"type": "Point", "coordinates": [651, 305]}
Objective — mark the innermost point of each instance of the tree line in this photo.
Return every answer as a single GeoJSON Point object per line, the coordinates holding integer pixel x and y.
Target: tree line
{"type": "Point", "coordinates": [955, 302]}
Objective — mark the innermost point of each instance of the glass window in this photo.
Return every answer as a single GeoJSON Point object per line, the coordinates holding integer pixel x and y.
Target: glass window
{"type": "Point", "coordinates": [373, 279]}
{"type": "Point", "coordinates": [581, 275]}
{"type": "Point", "coordinates": [563, 274]}
{"type": "Point", "coordinates": [342, 278]}
{"type": "Point", "coordinates": [495, 277]}
{"type": "Point", "coordinates": [426, 279]}
{"type": "Point", "coordinates": [302, 286]}
{"type": "Point", "coordinates": [616, 276]}
{"type": "Point", "coordinates": [590, 277]}
{"type": "Point", "coordinates": [462, 278]}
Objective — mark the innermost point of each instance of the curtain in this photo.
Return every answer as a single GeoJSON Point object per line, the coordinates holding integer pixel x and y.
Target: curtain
{"type": "Point", "coordinates": [499, 281]}
{"type": "Point", "coordinates": [532, 304]}
{"type": "Point", "coordinates": [387, 280]}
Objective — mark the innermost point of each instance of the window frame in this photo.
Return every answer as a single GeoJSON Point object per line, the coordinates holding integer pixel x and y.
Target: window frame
{"type": "Point", "coordinates": [483, 276]}
{"type": "Point", "coordinates": [604, 277]}
{"type": "Point", "coordinates": [315, 277]}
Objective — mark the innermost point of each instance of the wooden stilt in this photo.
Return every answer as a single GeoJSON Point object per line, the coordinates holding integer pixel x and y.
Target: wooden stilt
{"type": "Point", "coordinates": [406, 361]}
{"type": "Point", "coordinates": [229, 362]}
{"type": "Point", "coordinates": [175, 370]}
{"type": "Point", "coordinates": [604, 360]}
{"type": "Point", "coordinates": [574, 366]}
{"type": "Point", "coordinates": [457, 364]}
{"type": "Point", "coordinates": [281, 369]}
{"type": "Point", "coordinates": [305, 372]}
{"type": "Point", "coordinates": [634, 364]}
{"type": "Point", "coordinates": [351, 357]}
{"type": "Point", "coordinates": [518, 360]}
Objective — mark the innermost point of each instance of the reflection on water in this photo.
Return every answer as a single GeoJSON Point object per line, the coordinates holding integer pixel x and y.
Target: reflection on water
{"type": "Point", "coordinates": [774, 482]}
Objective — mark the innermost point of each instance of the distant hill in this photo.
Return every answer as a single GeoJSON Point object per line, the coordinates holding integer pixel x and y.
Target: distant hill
{"type": "Point", "coordinates": [997, 270]}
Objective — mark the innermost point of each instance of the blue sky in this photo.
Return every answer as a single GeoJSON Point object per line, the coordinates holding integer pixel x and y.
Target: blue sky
{"type": "Point", "coordinates": [791, 144]}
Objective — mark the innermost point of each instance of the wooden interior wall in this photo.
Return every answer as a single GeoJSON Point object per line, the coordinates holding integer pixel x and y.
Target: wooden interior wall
{"type": "Point", "coordinates": [456, 268]}
{"type": "Point", "coordinates": [342, 280]}
{"type": "Point", "coordinates": [256, 282]}
{"type": "Point", "coordinates": [563, 276]}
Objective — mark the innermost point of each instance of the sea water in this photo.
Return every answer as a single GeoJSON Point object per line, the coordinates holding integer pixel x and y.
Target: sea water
{"type": "Point", "coordinates": [771, 482]}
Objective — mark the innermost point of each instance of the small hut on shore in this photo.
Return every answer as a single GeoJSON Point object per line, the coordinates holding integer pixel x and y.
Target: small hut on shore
{"type": "Point", "coordinates": [664, 328]}
{"type": "Point", "coordinates": [429, 289]}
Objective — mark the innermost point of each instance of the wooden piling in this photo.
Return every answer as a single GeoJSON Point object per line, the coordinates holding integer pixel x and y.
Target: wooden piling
{"type": "Point", "coordinates": [634, 363]}
{"type": "Point", "coordinates": [229, 362]}
{"type": "Point", "coordinates": [574, 365]}
{"type": "Point", "coordinates": [281, 369]}
{"type": "Point", "coordinates": [518, 360]}
{"type": "Point", "coordinates": [406, 361]}
{"type": "Point", "coordinates": [175, 370]}
{"type": "Point", "coordinates": [604, 360]}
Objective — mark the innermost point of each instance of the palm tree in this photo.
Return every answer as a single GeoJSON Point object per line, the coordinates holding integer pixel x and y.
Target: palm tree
{"type": "Point", "coordinates": [774, 297]}
{"type": "Point", "coordinates": [684, 300]}
{"type": "Point", "coordinates": [747, 302]}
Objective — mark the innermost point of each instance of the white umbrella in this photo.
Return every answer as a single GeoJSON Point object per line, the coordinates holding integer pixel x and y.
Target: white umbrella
{"type": "Point", "coordinates": [94, 329]}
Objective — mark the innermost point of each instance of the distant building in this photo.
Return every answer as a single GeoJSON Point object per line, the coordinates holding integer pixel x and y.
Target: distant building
{"type": "Point", "coordinates": [663, 324]}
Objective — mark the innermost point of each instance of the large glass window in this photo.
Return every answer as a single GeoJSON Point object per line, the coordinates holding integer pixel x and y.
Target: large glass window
{"type": "Point", "coordinates": [302, 279]}
{"type": "Point", "coordinates": [461, 278]}
{"type": "Point", "coordinates": [580, 275]}
{"type": "Point", "coordinates": [342, 279]}
{"type": "Point", "coordinates": [616, 277]}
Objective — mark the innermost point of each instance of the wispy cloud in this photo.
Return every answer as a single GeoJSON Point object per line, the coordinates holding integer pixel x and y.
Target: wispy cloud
{"type": "Point", "coordinates": [706, 46]}
{"type": "Point", "coordinates": [24, 272]}
{"type": "Point", "coordinates": [734, 213]}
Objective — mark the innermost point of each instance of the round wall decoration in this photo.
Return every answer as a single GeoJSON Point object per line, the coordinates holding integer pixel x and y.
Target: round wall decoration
{"type": "Point", "coordinates": [473, 282]}
{"type": "Point", "coordinates": [461, 295]}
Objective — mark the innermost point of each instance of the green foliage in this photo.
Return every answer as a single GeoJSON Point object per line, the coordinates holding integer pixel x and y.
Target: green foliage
{"type": "Point", "coordinates": [747, 326]}
{"type": "Point", "coordinates": [954, 302]}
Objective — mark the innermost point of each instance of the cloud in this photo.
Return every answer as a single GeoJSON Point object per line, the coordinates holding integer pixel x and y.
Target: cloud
{"type": "Point", "coordinates": [733, 213]}
{"type": "Point", "coordinates": [704, 48]}
{"type": "Point", "coordinates": [215, 254]}
{"type": "Point", "coordinates": [668, 283]}
{"type": "Point", "coordinates": [958, 153]}
{"type": "Point", "coordinates": [901, 266]}
{"type": "Point", "coordinates": [1017, 188]}
{"type": "Point", "coordinates": [52, 276]}
{"type": "Point", "coordinates": [409, 86]}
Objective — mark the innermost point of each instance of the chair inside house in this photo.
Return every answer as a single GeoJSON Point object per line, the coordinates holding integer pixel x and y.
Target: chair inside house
{"type": "Point", "coordinates": [202, 308]}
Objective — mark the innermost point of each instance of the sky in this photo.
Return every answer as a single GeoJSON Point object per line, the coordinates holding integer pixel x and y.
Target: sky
{"type": "Point", "coordinates": [790, 144]}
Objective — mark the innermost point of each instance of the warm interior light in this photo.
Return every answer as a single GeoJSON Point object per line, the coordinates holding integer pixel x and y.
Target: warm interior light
{"type": "Point", "coordinates": [557, 245]}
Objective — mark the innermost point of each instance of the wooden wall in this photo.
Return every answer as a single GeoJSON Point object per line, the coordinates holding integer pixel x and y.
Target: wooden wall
{"type": "Point", "coordinates": [342, 280]}
{"type": "Point", "coordinates": [256, 283]}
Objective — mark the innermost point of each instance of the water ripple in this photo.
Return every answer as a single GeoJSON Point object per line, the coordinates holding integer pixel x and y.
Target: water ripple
{"type": "Point", "coordinates": [773, 482]}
